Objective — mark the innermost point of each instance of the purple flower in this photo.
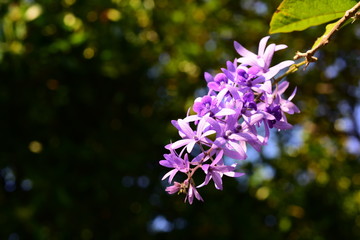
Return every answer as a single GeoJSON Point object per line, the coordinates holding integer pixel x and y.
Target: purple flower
{"type": "Point", "coordinates": [231, 138]}
{"type": "Point", "coordinates": [175, 162]}
{"type": "Point", "coordinates": [216, 171]}
{"type": "Point", "coordinates": [177, 187]}
{"type": "Point", "coordinates": [204, 105]}
{"type": "Point", "coordinates": [276, 112]}
{"type": "Point", "coordinates": [249, 103]}
{"type": "Point", "coordinates": [219, 82]}
{"type": "Point", "coordinates": [191, 193]}
{"type": "Point", "coordinates": [264, 56]}
{"type": "Point", "coordinates": [285, 104]}
{"type": "Point", "coordinates": [276, 106]}
{"type": "Point", "coordinates": [241, 106]}
{"type": "Point", "coordinates": [191, 137]}
{"type": "Point", "coordinates": [263, 59]}
{"type": "Point", "coordinates": [248, 78]}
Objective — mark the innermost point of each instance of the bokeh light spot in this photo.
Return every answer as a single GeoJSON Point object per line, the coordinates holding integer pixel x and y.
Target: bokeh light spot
{"type": "Point", "coordinates": [143, 181]}
{"type": "Point", "coordinates": [35, 147]}
{"type": "Point", "coordinates": [89, 53]}
{"type": "Point", "coordinates": [16, 47]}
{"type": "Point", "coordinates": [14, 236]}
{"type": "Point", "coordinates": [33, 12]}
{"type": "Point", "coordinates": [14, 12]}
{"type": "Point", "coordinates": [344, 183]}
{"type": "Point", "coordinates": [353, 145]}
{"type": "Point", "coordinates": [322, 178]}
{"type": "Point", "coordinates": [324, 88]}
{"type": "Point", "coordinates": [135, 3]}
{"type": "Point", "coordinates": [113, 14]}
{"type": "Point", "coordinates": [149, 4]}
{"type": "Point", "coordinates": [10, 186]}
{"type": "Point", "coordinates": [189, 68]}
{"type": "Point", "coordinates": [295, 211]}
{"type": "Point", "coordinates": [142, 18]}
{"type": "Point", "coordinates": [26, 185]}
{"type": "Point", "coordinates": [69, 19]}
{"type": "Point", "coordinates": [160, 224]}
{"type": "Point", "coordinates": [284, 224]}
{"type": "Point", "coordinates": [68, 3]}
{"type": "Point", "coordinates": [262, 193]}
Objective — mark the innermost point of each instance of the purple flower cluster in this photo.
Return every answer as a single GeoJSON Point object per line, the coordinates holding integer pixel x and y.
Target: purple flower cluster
{"type": "Point", "coordinates": [241, 100]}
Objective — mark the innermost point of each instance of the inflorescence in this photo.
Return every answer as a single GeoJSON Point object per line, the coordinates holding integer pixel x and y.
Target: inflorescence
{"type": "Point", "coordinates": [240, 108]}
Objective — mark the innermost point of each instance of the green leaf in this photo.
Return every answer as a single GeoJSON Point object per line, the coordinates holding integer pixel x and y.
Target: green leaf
{"type": "Point", "coordinates": [297, 15]}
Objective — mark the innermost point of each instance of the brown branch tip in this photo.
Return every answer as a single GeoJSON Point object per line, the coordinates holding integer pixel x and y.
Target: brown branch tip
{"type": "Point", "coordinates": [309, 55]}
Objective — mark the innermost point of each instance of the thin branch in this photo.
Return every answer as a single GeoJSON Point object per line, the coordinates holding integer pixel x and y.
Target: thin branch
{"type": "Point", "coordinates": [309, 55]}
{"type": "Point", "coordinates": [293, 68]}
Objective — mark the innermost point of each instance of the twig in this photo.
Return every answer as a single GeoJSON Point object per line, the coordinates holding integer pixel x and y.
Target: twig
{"type": "Point", "coordinates": [293, 68]}
{"type": "Point", "coordinates": [309, 55]}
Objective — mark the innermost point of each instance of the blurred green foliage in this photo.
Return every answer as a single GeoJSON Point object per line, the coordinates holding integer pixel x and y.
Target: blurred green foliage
{"type": "Point", "coordinates": [87, 92]}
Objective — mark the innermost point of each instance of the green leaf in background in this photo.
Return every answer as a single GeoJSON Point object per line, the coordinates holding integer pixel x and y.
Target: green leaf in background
{"type": "Point", "coordinates": [295, 15]}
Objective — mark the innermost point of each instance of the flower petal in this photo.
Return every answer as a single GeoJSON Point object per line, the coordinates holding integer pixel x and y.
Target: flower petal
{"type": "Point", "coordinates": [171, 174]}
{"type": "Point", "coordinates": [292, 94]}
{"type": "Point", "coordinates": [225, 112]}
{"type": "Point", "coordinates": [234, 174]}
{"type": "Point", "coordinates": [239, 150]}
{"type": "Point", "coordinates": [185, 128]}
{"type": "Point", "coordinates": [277, 68]}
{"type": "Point", "coordinates": [230, 66]}
{"type": "Point", "coordinates": [180, 143]}
{"type": "Point", "coordinates": [206, 181]}
{"type": "Point", "coordinates": [243, 51]}
{"type": "Point", "coordinates": [190, 146]}
{"type": "Point", "coordinates": [217, 180]}
{"type": "Point", "coordinates": [208, 77]}
{"type": "Point", "coordinates": [282, 87]}
{"type": "Point", "coordinates": [280, 47]}
{"type": "Point", "coordinates": [268, 55]}
{"type": "Point", "coordinates": [262, 45]}
{"type": "Point", "coordinates": [282, 125]}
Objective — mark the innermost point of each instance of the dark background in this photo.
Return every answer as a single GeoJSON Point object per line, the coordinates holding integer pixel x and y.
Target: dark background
{"type": "Point", "coordinates": [87, 93]}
